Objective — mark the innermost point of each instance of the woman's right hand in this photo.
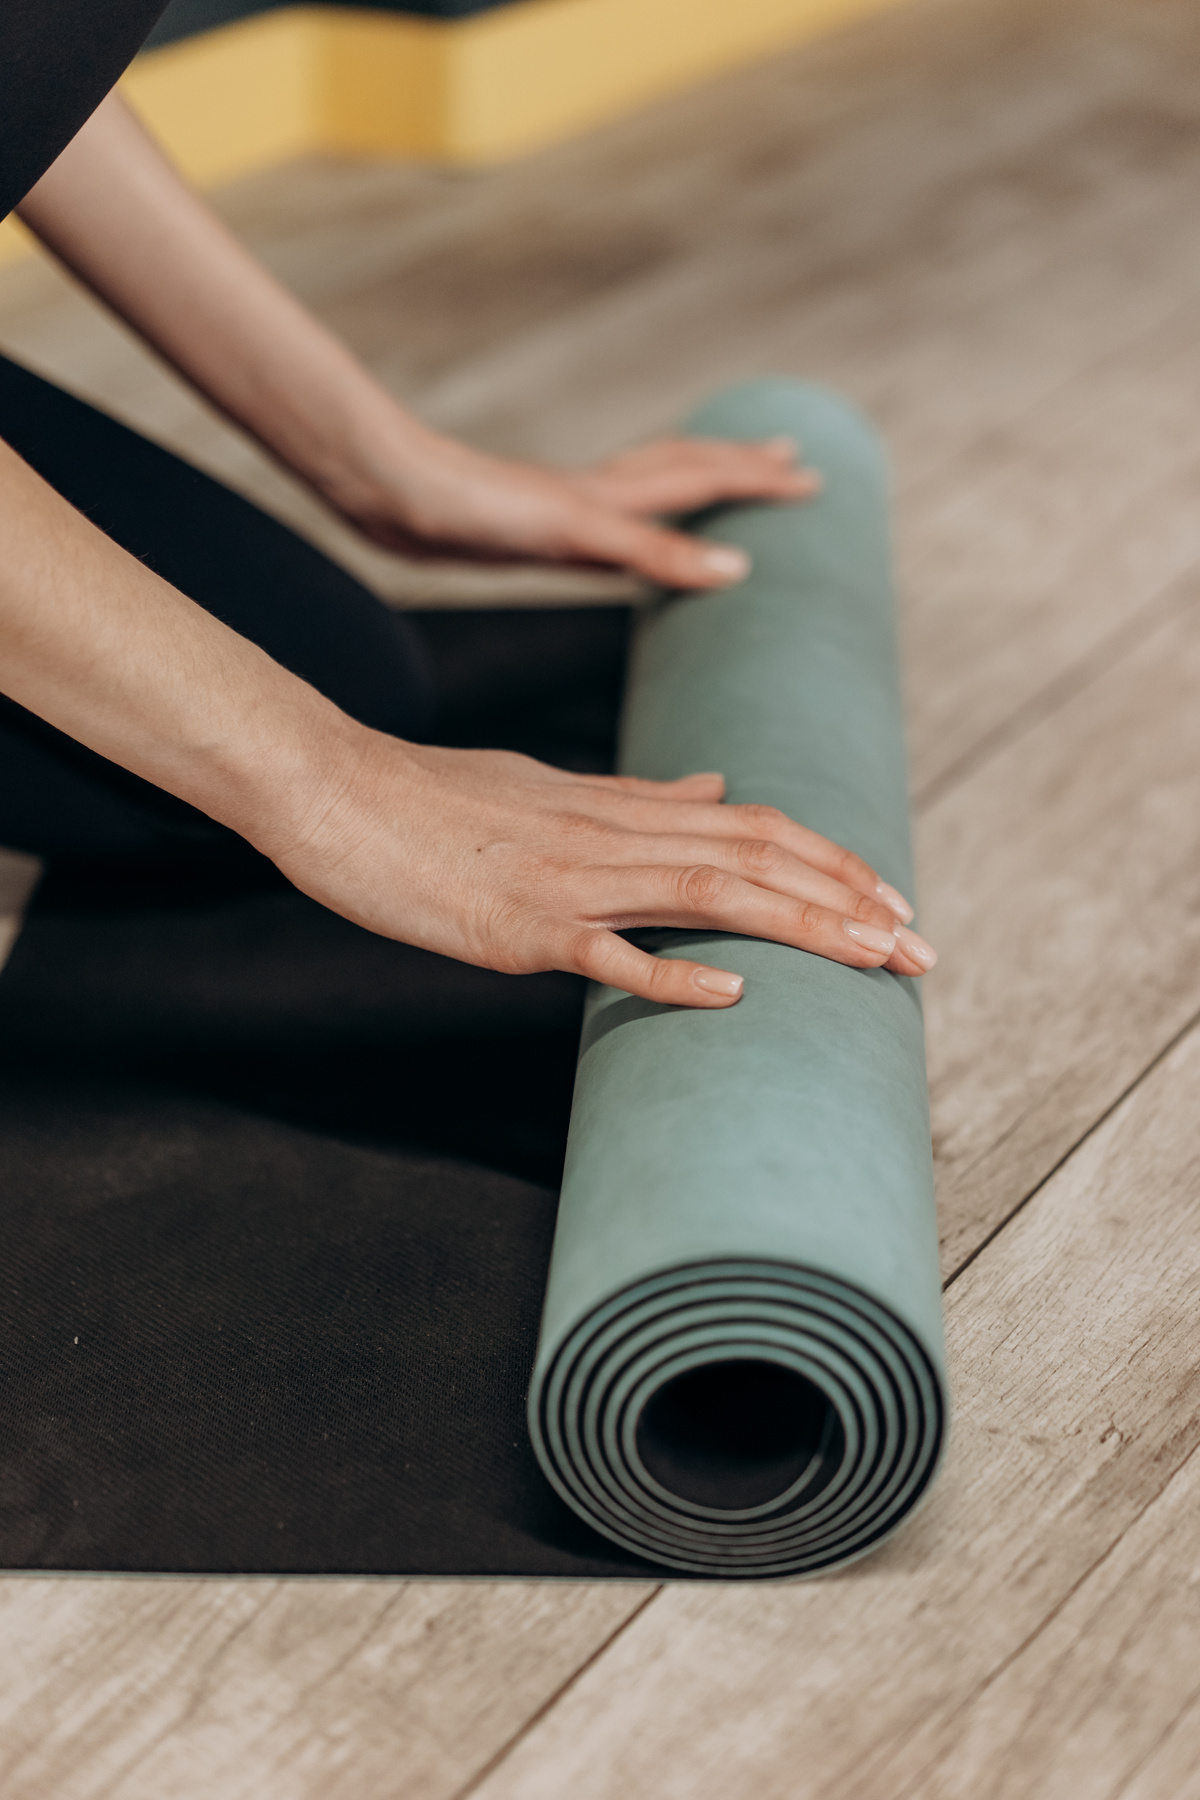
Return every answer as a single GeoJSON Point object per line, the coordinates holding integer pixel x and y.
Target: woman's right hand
{"type": "Point", "coordinates": [495, 859]}
{"type": "Point", "coordinates": [478, 854]}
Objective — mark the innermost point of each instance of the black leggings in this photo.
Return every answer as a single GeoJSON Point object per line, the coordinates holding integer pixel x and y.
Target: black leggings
{"type": "Point", "coordinates": [547, 682]}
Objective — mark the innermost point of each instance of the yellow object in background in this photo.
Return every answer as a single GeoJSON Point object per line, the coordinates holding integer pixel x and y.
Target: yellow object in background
{"type": "Point", "coordinates": [518, 77]}
{"type": "Point", "coordinates": [237, 99]}
{"type": "Point", "coordinates": [466, 91]}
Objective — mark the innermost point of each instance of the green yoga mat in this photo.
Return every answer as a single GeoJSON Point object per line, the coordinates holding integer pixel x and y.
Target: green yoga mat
{"type": "Point", "coordinates": [741, 1367]}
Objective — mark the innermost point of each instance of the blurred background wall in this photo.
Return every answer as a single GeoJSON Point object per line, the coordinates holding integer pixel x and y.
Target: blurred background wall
{"type": "Point", "coordinates": [232, 86]}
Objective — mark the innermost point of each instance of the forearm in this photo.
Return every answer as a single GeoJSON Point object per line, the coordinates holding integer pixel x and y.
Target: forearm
{"type": "Point", "coordinates": [473, 854]}
{"type": "Point", "coordinates": [114, 210]}
{"type": "Point", "coordinates": [102, 648]}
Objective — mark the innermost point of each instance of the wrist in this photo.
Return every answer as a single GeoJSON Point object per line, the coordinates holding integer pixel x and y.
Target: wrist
{"type": "Point", "coordinates": [317, 805]}
{"type": "Point", "coordinates": [367, 464]}
{"type": "Point", "coordinates": [281, 765]}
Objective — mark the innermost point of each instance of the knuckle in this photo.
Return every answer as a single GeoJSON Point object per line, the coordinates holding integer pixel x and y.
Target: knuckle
{"type": "Point", "coordinates": [661, 978]}
{"type": "Point", "coordinates": [760, 820]}
{"type": "Point", "coordinates": [701, 888]}
{"type": "Point", "coordinates": [579, 837]}
{"type": "Point", "coordinates": [585, 951]}
{"type": "Point", "coordinates": [508, 937]}
{"type": "Point", "coordinates": [809, 919]}
{"type": "Point", "coordinates": [863, 908]}
{"type": "Point", "coordinates": [511, 962]}
{"type": "Point", "coordinates": [758, 856]}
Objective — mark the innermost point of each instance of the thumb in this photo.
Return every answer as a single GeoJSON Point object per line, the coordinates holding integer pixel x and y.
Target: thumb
{"type": "Point", "coordinates": [611, 960]}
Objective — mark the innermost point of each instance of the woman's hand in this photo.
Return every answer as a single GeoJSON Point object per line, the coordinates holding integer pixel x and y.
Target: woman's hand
{"type": "Point", "coordinates": [498, 860]}
{"type": "Point", "coordinates": [116, 212]}
{"type": "Point", "coordinates": [482, 855]}
{"type": "Point", "coordinates": [443, 497]}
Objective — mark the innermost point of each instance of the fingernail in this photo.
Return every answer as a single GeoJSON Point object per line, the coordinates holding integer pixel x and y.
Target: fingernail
{"type": "Point", "coordinates": [782, 446]}
{"type": "Point", "coordinates": [718, 981]}
{"type": "Point", "coordinates": [870, 937]}
{"type": "Point", "coordinates": [722, 560]}
{"type": "Point", "coordinates": [916, 947]}
{"type": "Point", "coordinates": [896, 901]}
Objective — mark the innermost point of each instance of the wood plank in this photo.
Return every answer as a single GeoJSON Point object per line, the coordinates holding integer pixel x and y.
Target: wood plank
{"type": "Point", "coordinates": [870, 206]}
{"type": "Point", "coordinates": [1078, 1398]}
{"type": "Point", "coordinates": [1171, 1770]}
{"type": "Point", "coordinates": [979, 221]}
{"type": "Point", "coordinates": [960, 267]}
{"type": "Point", "coordinates": [1061, 886]}
{"type": "Point", "coordinates": [1088, 1704]}
{"type": "Point", "coordinates": [279, 1690]}
{"type": "Point", "coordinates": [1058, 532]}
{"type": "Point", "coordinates": [1103, 721]}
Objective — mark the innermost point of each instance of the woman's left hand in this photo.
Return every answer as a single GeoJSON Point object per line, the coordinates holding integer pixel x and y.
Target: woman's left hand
{"type": "Point", "coordinates": [449, 499]}
{"type": "Point", "coordinates": [116, 213]}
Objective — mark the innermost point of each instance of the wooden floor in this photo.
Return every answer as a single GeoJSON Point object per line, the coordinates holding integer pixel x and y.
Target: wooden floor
{"type": "Point", "coordinates": [982, 219]}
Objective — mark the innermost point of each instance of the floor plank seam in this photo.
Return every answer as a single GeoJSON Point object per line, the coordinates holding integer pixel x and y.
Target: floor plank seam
{"type": "Point", "coordinates": [932, 480]}
{"type": "Point", "coordinates": [535, 1718]}
{"type": "Point", "coordinates": [1131, 1088]}
{"type": "Point", "coordinates": [978, 225]}
{"type": "Point", "coordinates": [1171, 603]}
{"type": "Point", "coordinates": [914, 1786]}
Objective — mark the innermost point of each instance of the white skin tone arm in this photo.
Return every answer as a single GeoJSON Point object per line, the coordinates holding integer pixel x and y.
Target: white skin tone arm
{"type": "Point", "coordinates": [481, 855]}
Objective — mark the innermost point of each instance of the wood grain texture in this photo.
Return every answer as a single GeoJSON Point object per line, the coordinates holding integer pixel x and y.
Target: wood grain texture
{"type": "Point", "coordinates": [1077, 1375]}
{"type": "Point", "coordinates": [249, 1689]}
{"type": "Point", "coordinates": [1171, 1769]}
{"type": "Point", "coordinates": [1094, 1697]}
{"type": "Point", "coordinates": [979, 218]}
{"type": "Point", "coordinates": [1063, 884]}
{"type": "Point", "coordinates": [1011, 583]}
{"type": "Point", "coordinates": [946, 213]}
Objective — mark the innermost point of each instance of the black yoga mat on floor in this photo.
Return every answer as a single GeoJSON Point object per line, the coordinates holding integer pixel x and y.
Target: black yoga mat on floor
{"type": "Point", "coordinates": [243, 1327]}
{"type": "Point", "coordinates": [276, 1206]}
{"type": "Point", "coordinates": [280, 1213]}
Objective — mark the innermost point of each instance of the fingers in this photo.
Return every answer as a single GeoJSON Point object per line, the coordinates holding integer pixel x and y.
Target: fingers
{"type": "Point", "coordinates": [671, 559]}
{"type": "Point", "coordinates": [770, 865]}
{"type": "Point", "coordinates": [481, 506]}
{"type": "Point", "coordinates": [683, 474]}
{"type": "Point", "coordinates": [709, 898]}
{"type": "Point", "coordinates": [603, 956]}
{"type": "Point", "coordinates": [753, 826]}
{"type": "Point", "coordinates": [831, 859]}
{"type": "Point", "coordinates": [708, 787]}
{"type": "Point", "coordinates": [677, 476]}
{"type": "Point", "coordinates": [913, 955]}
{"type": "Point", "coordinates": [760, 861]}
{"type": "Point", "coordinates": [752, 821]}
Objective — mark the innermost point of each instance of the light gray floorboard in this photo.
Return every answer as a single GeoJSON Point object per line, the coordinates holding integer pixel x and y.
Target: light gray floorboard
{"type": "Point", "coordinates": [979, 219]}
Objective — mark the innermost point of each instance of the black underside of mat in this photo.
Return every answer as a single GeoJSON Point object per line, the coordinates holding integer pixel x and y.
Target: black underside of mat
{"type": "Point", "coordinates": [271, 1273]}
{"type": "Point", "coordinates": [276, 1205]}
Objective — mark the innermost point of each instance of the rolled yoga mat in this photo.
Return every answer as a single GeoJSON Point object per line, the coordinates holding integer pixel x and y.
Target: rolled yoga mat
{"type": "Point", "coordinates": [277, 1196]}
{"type": "Point", "coordinates": [741, 1366]}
